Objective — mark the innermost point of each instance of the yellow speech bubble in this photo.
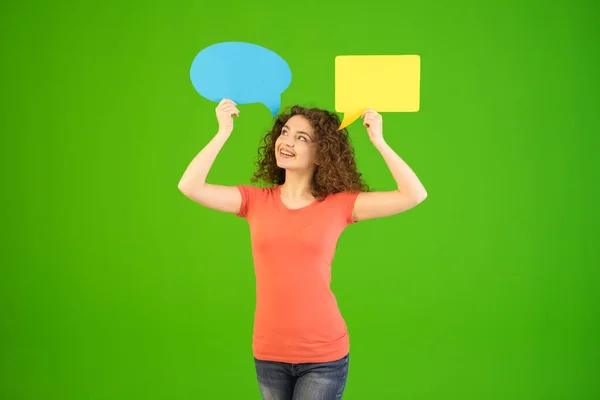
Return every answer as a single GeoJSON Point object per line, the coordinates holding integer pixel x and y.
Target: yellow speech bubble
{"type": "Point", "coordinates": [384, 83]}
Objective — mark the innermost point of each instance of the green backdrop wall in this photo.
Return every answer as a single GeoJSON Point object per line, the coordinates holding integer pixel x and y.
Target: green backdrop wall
{"type": "Point", "coordinates": [116, 286]}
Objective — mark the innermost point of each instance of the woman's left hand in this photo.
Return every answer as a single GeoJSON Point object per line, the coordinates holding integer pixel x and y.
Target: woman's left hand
{"type": "Point", "coordinates": [374, 123]}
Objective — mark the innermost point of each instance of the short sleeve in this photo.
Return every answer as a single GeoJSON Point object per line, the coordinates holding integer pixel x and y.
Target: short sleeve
{"type": "Point", "coordinates": [251, 197]}
{"type": "Point", "coordinates": [246, 192]}
{"type": "Point", "coordinates": [346, 201]}
{"type": "Point", "coordinates": [352, 196]}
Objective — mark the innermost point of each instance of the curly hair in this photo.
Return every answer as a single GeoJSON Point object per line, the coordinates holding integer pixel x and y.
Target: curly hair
{"type": "Point", "coordinates": [336, 169]}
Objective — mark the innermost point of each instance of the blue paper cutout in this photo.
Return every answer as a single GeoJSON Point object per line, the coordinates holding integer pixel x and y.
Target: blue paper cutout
{"type": "Point", "coordinates": [243, 72]}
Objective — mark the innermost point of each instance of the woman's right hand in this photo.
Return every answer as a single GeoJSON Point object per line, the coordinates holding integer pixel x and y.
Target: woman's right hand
{"type": "Point", "coordinates": [225, 112]}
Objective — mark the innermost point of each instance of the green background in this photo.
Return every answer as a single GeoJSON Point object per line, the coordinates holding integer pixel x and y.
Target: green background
{"type": "Point", "coordinates": [116, 286]}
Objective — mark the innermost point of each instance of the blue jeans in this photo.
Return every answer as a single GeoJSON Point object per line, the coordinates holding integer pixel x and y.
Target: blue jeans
{"type": "Point", "coordinates": [308, 381]}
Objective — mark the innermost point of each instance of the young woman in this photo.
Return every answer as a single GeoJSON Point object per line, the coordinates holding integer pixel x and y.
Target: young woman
{"type": "Point", "coordinates": [300, 341]}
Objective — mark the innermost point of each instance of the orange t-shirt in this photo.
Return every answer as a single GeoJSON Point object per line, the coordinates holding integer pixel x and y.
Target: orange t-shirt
{"type": "Point", "coordinates": [297, 319]}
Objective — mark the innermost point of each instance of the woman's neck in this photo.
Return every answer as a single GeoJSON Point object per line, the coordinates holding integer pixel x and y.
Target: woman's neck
{"type": "Point", "coordinates": [297, 186]}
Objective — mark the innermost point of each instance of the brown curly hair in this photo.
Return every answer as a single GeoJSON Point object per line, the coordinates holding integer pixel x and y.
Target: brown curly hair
{"type": "Point", "coordinates": [336, 169]}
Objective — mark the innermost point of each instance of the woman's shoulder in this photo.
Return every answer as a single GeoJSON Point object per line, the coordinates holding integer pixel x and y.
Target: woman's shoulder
{"type": "Point", "coordinates": [343, 197]}
{"type": "Point", "coordinates": [254, 197]}
{"type": "Point", "coordinates": [258, 190]}
{"type": "Point", "coordinates": [343, 194]}
{"type": "Point", "coordinates": [342, 204]}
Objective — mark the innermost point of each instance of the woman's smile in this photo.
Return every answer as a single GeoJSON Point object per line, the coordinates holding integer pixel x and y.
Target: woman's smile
{"type": "Point", "coordinates": [285, 153]}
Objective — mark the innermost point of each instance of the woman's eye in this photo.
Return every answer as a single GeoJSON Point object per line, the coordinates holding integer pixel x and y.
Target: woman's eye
{"type": "Point", "coordinates": [302, 138]}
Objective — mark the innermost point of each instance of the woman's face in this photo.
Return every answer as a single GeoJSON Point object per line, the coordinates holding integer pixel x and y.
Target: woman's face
{"type": "Point", "coordinates": [295, 148]}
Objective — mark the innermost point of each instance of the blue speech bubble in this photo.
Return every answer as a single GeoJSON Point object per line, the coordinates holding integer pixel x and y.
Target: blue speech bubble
{"type": "Point", "coordinates": [243, 72]}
